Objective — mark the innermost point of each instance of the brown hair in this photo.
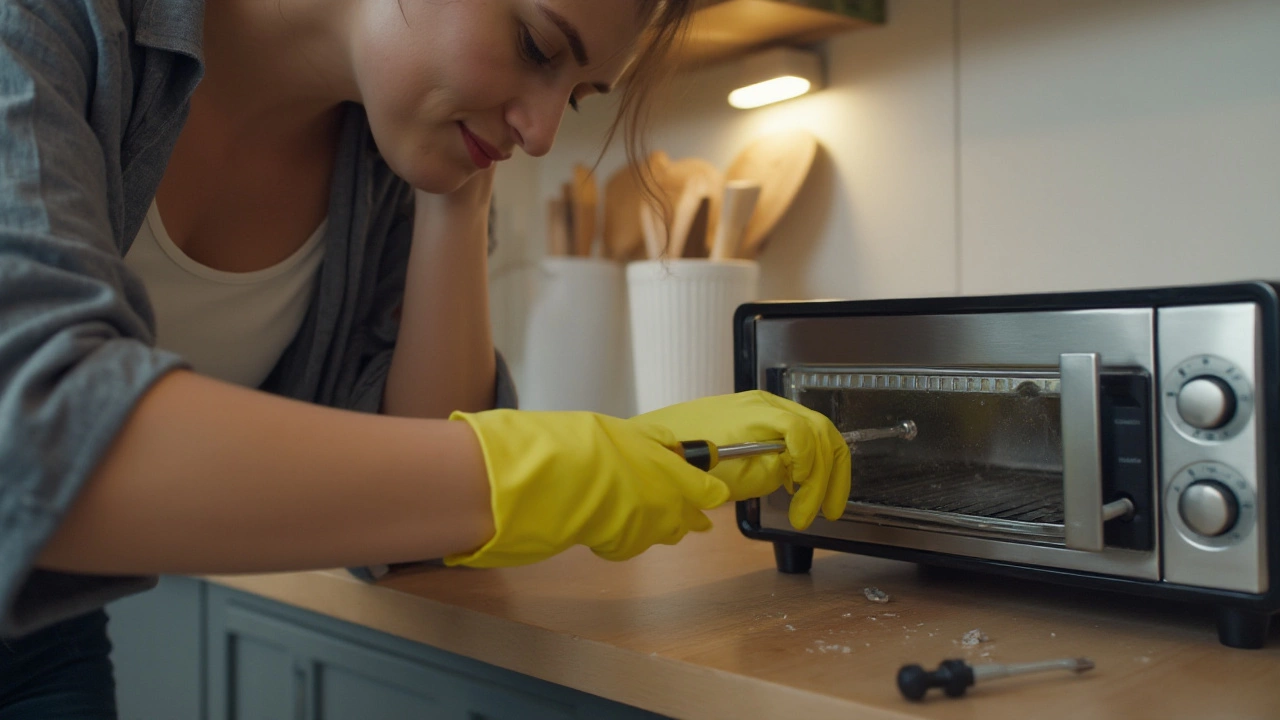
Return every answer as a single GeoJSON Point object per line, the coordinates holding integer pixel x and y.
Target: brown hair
{"type": "Point", "coordinates": [667, 22]}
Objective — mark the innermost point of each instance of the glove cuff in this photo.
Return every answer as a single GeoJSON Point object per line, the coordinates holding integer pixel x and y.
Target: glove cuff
{"type": "Point", "coordinates": [474, 556]}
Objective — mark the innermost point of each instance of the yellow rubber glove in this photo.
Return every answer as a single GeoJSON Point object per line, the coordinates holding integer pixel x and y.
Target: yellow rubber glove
{"type": "Point", "coordinates": [559, 479]}
{"type": "Point", "coordinates": [814, 467]}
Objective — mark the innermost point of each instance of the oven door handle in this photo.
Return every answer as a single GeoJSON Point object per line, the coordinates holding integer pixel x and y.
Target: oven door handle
{"type": "Point", "coordinates": [1081, 450]}
{"type": "Point", "coordinates": [1081, 409]}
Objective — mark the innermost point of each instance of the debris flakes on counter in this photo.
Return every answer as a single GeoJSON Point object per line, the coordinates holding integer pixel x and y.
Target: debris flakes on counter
{"type": "Point", "coordinates": [790, 627]}
{"type": "Point", "coordinates": [973, 637]}
{"type": "Point", "coordinates": [835, 648]}
{"type": "Point", "coordinates": [875, 594]}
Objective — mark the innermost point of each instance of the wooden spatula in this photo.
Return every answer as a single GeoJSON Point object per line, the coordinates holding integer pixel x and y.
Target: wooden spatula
{"type": "Point", "coordinates": [779, 163]}
{"type": "Point", "coordinates": [557, 228]}
{"type": "Point", "coordinates": [653, 229]}
{"type": "Point", "coordinates": [622, 232]}
{"type": "Point", "coordinates": [567, 201]}
{"type": "Point", "coordinates": [694, 194]}
{"type": "Point", "coordinates": [688, 181]}
{"type": "Point", "coordinates": [739, 204]}
{"type": "Point", "coordinates": [584, 210]}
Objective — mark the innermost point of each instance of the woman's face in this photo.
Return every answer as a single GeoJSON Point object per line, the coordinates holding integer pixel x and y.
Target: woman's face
{"type": "Point", "coordinates": [451, 86]}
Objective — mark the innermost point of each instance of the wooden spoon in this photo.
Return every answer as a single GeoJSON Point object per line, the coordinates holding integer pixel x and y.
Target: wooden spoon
{"type": "Point", "coordinates": [697, 177]}
{"type": "Point", "coordinates": [779, 163]}
{"type": "Point", "coordinates": [622, 232]}
{"type": "Point", "coordinates": [654, 230]}
{"type": "Point", "coordinates": [693, 195]}
{"type": "Point", "coordinates": [557, 228]}
{"type": "Point", "coordinates": [567, 203]}
{"type": "Point", "coordinates": [740, 198]}
{"type": "Point", "coordinates": [584, 209]}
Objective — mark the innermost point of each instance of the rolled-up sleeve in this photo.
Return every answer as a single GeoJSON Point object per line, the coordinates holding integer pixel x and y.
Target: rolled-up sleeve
{"type": "Point", "coordinates": [76, 329]}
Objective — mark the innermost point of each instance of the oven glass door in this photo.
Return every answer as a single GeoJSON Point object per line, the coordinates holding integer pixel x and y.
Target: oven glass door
{"type": "Point", "coordinates": [1035, 441]}
{"type": "Point", "coordinates": [986, 460]}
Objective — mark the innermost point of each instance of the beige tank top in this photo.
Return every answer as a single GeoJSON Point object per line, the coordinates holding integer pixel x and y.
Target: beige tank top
{"type": "Point", "coordinates": [228, 325]}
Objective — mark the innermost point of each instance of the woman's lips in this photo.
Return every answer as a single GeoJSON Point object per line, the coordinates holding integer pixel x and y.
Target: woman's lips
{"type": "Point", "coordinates": [482, 153]}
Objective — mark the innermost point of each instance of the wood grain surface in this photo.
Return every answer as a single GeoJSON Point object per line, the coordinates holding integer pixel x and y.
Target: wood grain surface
{"type": "Point", "coordinates": [709, 629]}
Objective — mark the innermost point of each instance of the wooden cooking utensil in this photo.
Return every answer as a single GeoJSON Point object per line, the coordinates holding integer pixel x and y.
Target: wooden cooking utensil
{"type": "Point", "coordinates": [693, 196]}
{"type": "Point", "coordinates": [697, 243]}
{"type": "Point", "coordinates": [779, 163]}
{"type": "Point", "coordinates": [740, 198]}
{"type": "Point", "coordinates": [665, 185]}
{"type": "Point", "coordinates": [707, 181]}
{"type": "Point", "coordinates": [557, 228]}
{"type": "Point", "coordinates": [654, 230]}
{"type": "Point", "coordinates": [622, 232]}
{"type": "Point", "coordinates": [584, 210]}
{"type": "Point", "coordinates": [567, 200]}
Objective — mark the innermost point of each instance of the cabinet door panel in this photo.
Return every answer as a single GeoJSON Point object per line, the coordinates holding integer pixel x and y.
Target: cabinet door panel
{"type": "Point", "coordinates": [301, 665]}
{"type": "Point", "coordinates": [157, 649]}
{"type": "Point", "coordinates": [317, 669]}
{"type": "Point", "coordinates": [346, 695]}
{"type": "Point", "coordinates": [262, 683]}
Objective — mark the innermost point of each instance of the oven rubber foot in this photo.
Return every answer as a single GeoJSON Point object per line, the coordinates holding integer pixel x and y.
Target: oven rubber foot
{"type": "Point", "coordinates": [792, 559]}
{"type": "Point", "coordinates": [1242, 628]}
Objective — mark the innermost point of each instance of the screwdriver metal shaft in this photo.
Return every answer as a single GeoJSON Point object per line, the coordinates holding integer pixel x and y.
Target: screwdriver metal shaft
{"type": "Point", "coordinates": [905, 430]}
{"type": "Point", "coordinates": [991, 671]}
{"type": "Point", "coordinates": [705, 455]}
{"type": "Point", "coordinates": [955, 676]}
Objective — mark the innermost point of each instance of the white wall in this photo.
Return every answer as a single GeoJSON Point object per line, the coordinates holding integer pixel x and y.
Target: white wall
{"type": "Point", "coordinates": [1104, 144]}
{"type": "Point", "coordinates": [988, 146]}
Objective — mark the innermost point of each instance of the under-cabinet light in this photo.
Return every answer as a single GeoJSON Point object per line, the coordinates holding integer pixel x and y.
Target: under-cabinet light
{"type": "Point", "coordinates": [775, 75]}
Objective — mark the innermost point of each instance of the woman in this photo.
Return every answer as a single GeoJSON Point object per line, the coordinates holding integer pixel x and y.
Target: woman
{"type": "Point", "coordinates": [243, 321]}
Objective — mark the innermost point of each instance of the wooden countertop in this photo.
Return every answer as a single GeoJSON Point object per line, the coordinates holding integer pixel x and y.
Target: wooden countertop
{"type": "Point", "coordinates": [709, 629]}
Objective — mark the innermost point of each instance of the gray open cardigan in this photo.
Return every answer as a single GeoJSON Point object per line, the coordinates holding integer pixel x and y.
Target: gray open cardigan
{"type": "Point", "coordinates": [93, 95]}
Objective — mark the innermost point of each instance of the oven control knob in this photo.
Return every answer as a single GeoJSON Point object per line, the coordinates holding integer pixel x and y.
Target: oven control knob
{"type": "Point", "coordinates": [1206, 402]}
{"type": "Point", "coordinates": [1209, 508]}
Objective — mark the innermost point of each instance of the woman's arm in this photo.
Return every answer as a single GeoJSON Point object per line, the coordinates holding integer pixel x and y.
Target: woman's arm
{"type": "Point", "coordinates": [444, 355]}
{"type": "Point", "coordinates": [208, 477]}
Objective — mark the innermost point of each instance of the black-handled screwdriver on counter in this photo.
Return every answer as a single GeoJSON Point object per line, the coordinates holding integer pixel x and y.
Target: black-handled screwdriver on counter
{"type": "Point", "coordinates": [705, 455]}
{"type": "Point", "coordinates": [955, 676]}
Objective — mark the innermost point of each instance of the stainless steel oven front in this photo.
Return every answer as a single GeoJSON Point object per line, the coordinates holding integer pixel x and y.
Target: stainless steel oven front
{"type": "Point", "coordinates": [1115, 439]}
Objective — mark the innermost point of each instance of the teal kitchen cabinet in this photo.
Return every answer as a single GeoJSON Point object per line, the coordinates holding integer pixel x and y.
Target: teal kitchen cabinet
{"type": "Point", "coordinates": [194, 649]}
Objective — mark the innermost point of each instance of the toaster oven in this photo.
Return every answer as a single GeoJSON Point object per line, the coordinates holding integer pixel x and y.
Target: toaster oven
{"type": "Point", "coordinates": [1116, 439]}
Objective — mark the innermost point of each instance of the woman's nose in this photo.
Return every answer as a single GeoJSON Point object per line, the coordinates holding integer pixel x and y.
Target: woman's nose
{"type": "Point", "coordinates": [535, 119]}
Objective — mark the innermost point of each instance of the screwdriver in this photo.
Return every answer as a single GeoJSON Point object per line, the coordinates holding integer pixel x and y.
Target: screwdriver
{"type": "Point", "coordinates": [705, 455]}
{"type": "Point", "coordinates": [954, 676]}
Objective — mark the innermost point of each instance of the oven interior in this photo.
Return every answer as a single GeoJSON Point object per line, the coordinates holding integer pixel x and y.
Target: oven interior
{"type": "Point", "coordinates": [987, 459]}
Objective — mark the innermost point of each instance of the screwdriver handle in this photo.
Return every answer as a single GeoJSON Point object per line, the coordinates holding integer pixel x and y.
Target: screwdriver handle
{"type": "Point", "coordinates": [953, 676]}
{"type": "Point", "coordinates": [704, 455]}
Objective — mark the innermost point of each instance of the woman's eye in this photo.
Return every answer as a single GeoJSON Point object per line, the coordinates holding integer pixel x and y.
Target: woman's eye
{"type": "Point", "coordinates": [531, 49]}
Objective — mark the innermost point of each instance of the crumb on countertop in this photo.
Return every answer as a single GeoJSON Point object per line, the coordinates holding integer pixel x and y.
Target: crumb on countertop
{"type": "Point", "coordinates": [875, 594]}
